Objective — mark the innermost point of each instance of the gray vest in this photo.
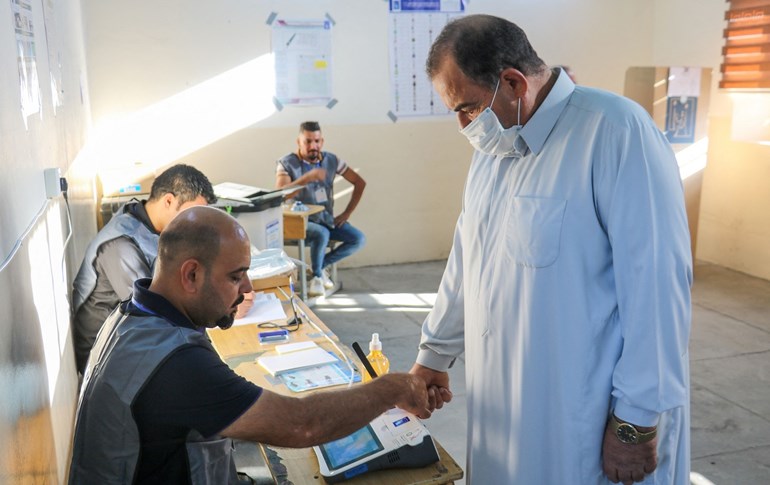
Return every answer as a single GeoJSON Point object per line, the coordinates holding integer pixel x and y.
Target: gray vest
{"type": "Point", "coordinates": [296, 168]}
{"type": "Point", "coordinates": [122, 225]}
{"type": "Point", "coordinates": [106, 443]}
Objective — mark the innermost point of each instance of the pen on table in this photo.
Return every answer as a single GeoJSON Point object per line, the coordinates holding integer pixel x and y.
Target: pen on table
{"type": "Point", "coordinates": [361, 355]}
{"type": "Point", "coordinates": [290, 39]}
{"type": "Point", "coordinates": [291, 302]}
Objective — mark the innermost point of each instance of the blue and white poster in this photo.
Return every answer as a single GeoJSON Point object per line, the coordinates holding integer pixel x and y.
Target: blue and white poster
{"type": "Point", "coordinates": [414, 25]}
{"type": "Point", "coordinates": [680, 119]}
{"type": "Point", "coordinates": [427, 5]}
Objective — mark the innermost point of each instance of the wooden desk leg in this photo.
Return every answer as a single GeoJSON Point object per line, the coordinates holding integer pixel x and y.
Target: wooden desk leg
{"type": "Point", "coordinates": [302, 270]}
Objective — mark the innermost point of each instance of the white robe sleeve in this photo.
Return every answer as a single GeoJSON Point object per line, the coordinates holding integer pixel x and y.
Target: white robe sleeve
{"type": "Point", "coordinates": [443, 333]}
{"type": "Point", "coordinates": [647, 227]}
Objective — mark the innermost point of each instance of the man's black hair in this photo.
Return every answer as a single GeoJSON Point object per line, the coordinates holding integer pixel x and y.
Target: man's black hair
{"type": "Point", "coordinates": [483, 46]}
{"type": "Point", "coordinates": [309, 126]}
{"type": "Point", "coordinates": [185, 182]}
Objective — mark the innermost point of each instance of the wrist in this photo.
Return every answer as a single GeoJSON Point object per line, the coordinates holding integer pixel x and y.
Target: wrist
{"type": "Point", "coordinates": [386, 389]}
{"type": "Point", "coordinates": [629, 433]}
{"type": "Point", "coordinates": [636, 415]}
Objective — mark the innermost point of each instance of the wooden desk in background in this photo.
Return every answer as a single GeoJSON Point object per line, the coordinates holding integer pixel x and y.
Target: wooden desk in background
{"type": "Point", "coordinates": [239, 347]}
{"type": "Point", "coordinates": [295, 228]}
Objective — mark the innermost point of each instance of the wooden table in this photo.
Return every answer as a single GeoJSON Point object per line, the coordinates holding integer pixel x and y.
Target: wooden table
{"type": "Point", "coordinates": [295, 228]}
{"type": "Point", "coordinates": [239, 347]}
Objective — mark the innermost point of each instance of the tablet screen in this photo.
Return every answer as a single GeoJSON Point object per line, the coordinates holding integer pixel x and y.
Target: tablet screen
{"type": "Point", "coordinates": [351, 448]}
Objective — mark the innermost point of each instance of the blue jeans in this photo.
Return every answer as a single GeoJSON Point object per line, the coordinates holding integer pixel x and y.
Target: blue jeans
{"type": "Point", "coordinates": [318, 236]}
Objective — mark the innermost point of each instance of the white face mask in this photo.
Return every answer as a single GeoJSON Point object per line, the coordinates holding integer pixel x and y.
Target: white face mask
{"type": "Point", "coordinates": [487, 135]}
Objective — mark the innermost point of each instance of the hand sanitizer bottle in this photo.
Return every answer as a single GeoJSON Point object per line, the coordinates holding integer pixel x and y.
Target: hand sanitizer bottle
{"type": "Point", "coordinates": [379, 362]}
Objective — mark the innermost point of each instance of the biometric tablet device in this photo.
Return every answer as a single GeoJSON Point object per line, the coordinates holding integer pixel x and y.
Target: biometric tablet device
{"type": "Point", "coordinates": [395, 439]}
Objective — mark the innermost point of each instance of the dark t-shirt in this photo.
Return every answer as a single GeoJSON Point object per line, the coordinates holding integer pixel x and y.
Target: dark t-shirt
{"type": "Point", "coordinates": [191, 389]}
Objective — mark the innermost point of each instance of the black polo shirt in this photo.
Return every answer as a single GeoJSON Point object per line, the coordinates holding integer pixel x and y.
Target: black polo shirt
{"type": "Point", "coordinates": [191, 389]}
{"type": "Point", "coordinates": [137, 209]}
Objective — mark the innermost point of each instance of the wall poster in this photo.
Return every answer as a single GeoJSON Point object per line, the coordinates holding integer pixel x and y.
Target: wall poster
{"type": "Point", "coordinates": [303, 61]}
{"type": "Point", "coordinates": [26, 57]}
{"type": "Point", "coordinates": [412, 27]}
{"type": "Point", "coordinates": [683, 90]}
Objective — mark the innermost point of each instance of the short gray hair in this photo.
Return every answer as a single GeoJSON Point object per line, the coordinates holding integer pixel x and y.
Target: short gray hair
{"type": "Point", "coordinates": [483, 46]}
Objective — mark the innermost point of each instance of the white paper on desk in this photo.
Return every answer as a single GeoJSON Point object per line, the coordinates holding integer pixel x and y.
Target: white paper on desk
{"type": "Point", "coordinates": [266, 308]}
{"type": "Point", "coordinates": [276, 364]}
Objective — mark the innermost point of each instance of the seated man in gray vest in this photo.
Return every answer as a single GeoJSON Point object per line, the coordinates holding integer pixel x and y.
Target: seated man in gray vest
{"type": "Point", "coordinates": [316, 169]}
{"type": "Point", "coordinates": [158, 405]}
{"type": "Point", "coordinates": [125, 249]}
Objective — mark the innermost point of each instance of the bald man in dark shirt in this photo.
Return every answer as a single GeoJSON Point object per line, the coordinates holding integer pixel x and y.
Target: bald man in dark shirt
{"type": "Point", "coordinates": [156, 382]}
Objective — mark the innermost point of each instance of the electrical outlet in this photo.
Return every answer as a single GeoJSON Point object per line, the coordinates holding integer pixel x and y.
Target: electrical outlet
{"type": "Point", "coordinates": [52, 182]}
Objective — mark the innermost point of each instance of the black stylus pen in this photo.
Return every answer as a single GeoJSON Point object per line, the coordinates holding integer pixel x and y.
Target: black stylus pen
{"type": "Point", "coordinates": [361, 355]}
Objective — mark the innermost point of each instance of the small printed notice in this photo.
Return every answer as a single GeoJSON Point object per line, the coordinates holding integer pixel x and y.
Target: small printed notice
{"type": "Point", "coordinates": [26, 57]}
{"type": "Point", "coordinates": [274, 235]}
{"type": "Point", "coordinates": [680, 119]}
{"type": "Point", "coordinates": [684, 82]}
{"type": "Point", "coordinates": [303, 61]}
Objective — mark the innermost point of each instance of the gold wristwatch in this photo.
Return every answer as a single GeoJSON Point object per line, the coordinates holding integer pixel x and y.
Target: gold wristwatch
{"type": "Point", "coordinates": [627, 433]}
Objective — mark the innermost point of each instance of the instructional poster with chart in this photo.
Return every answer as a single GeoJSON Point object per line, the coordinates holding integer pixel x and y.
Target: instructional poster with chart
{"type": "Point", "coordinates": [413, 26]}
{"type": "Point", "coordinates": [26, 57]}
{"type": "Point", "coordinates": [303, 61]}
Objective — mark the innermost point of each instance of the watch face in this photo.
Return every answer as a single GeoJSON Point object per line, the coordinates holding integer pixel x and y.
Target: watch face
{"type": "Point", "coordinates": [627, 433]}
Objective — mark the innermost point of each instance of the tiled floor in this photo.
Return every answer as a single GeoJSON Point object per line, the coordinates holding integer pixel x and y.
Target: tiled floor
{"type": "Point", "coordinates": [729, 351]}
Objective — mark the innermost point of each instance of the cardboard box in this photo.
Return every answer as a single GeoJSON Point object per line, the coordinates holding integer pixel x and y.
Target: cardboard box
{"type": "Point", "coordinates": [272, 281]}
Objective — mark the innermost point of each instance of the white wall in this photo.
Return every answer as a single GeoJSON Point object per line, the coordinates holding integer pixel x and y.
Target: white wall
{"type": "Point", "coordinates": [734, 226]}
{"type": "Point", "coordinates": [144, 52]}
{"type": "Point", "coordinates": [37, 375]}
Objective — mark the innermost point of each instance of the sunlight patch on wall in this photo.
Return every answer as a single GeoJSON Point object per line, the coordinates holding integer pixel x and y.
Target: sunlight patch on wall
{"type": "Point", "coordinates": [751, 117]}
{"type": "Point", "coordinates": [692, 159]}
{"type": "Point", "coordinates": [181, 124]}
{"type": "Point", "coordinates": [40, 265]}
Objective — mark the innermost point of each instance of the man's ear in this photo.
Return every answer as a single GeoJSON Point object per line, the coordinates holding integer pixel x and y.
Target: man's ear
{"type": "Point", "coordinates": [192, 275]}
{"type": "Point", "coordinates": [169, 201]}
{"type": "Point", "coordinates": [515, 80]}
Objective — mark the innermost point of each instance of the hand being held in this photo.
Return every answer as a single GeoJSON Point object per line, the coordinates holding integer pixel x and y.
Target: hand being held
{"type": "Point", "coordinates": [437, 384]}
{"type": "Point", "coordinates": [411, 393]}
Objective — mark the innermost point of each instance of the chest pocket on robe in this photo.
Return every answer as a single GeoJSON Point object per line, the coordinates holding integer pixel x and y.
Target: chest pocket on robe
{"type": "Point", "coordinates": [533, 231]}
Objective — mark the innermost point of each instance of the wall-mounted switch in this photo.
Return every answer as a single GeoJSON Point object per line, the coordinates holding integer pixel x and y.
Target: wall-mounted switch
{"type": "Point", "coordinates": [52, 182]}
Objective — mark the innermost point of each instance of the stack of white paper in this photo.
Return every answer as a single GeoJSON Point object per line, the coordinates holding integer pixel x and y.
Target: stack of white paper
{"type": "Point", "coordinates": [267, 308]}
{"type": "Point", "coordinates": [275, 364]}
